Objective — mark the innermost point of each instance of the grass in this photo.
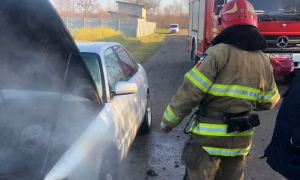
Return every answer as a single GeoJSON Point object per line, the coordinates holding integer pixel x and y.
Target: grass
{"type": "Point", "coordinates": [91, 34]}
{"type": "Point", "coordinates": [140, 48]}
{"type": "Point", "coordinates": [163, 31]}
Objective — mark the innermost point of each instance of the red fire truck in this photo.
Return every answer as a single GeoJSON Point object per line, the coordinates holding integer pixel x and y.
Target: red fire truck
{"type": "Point", "coordinates": [279, 22]}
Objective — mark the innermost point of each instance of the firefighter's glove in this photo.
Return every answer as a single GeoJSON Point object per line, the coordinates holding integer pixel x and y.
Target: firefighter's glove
{"type": "Point", "coordinates": [164, 128]}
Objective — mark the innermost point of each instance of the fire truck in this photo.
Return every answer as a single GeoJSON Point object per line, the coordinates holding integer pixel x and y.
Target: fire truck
{"type": "Point", "coordinates": [279, 22]}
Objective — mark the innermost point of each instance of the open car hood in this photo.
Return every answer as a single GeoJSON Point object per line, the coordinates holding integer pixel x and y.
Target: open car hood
{"type": "Point", "coordinates": [35, 49]}
{"type": "Point", "coordinates": [40, 67]}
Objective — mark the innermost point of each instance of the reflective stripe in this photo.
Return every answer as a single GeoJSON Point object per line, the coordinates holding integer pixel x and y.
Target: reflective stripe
{"type": "Point", "coordinates": [270, 95]}
{"type": "Point", "coordinates": [216, 130]}
{"type": "Point", "coordinates": [226, 152]}
{"type": "Point", "coordinates": [171, 117]}
{"type": "Point", "coordinates": [236, 91]}
{"type": "Point", "coordinates": [199, 79]}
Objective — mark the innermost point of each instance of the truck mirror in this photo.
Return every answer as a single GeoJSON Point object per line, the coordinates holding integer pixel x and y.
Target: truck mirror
{"type": "Point", "coordinates": [218, 9]}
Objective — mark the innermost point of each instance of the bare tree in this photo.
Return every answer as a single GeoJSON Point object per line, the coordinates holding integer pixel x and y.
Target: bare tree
{"type": "Point", "coordinates": [175, 13]}
{"type": "Point", "coordinates": [63, 7]}
{"type": "Point", "coordinates": [112, 5]}
{"type": "Point", "coordinates": [186, 5]}
{"type": "Point", "coordinates": [88, 6]}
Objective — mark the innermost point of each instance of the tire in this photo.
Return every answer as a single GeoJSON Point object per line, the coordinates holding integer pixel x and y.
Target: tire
{"type": "Point", "coordinates": [196, 60]}
{"type": "Point", "coordinates": [110, 168]}
{"type": "Point", "coordinates": [289, 78]}
{"type": "Point", "coordinates": [147, 121]}
{"type": "Point", "coordinates": [194, 57]}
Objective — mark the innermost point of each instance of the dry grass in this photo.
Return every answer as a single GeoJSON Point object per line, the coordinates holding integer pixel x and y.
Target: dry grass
{"type": "Point", "coordinates": [96, 33]}
{"type": "Point", "coordinates": [140, 48]}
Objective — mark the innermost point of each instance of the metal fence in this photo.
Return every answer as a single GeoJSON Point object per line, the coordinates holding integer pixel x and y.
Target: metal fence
{"type": "Point", "coordinates": [130, 28]}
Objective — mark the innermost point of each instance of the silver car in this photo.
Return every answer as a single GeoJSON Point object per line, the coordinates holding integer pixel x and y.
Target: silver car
{"type": "Point", "coordinates": [64, 113]}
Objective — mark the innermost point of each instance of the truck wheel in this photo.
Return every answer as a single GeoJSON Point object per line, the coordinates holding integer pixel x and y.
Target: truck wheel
{"type": "Point", "coordinates": [196, 60]}
{"type": "Point", "coordinates": [147, 121]}
{"type": "Point", "coordinates": [289, 78]}
{"type": "Point", "coordinates": [194, 57]}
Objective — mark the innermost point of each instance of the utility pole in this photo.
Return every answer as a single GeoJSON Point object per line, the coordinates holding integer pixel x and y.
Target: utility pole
{"type": "Point", "coordinates": [73, 8]}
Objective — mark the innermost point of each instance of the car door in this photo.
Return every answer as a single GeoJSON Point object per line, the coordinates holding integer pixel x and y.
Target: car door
{"type": "Point", "coordinates": [134, 75]}
{"type": "Point", "coordinates": [122, 104]}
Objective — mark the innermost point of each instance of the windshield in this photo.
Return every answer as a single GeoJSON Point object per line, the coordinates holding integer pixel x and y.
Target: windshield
{"type": "Point", "coordinates": [275, 6]}
{"type": "Point", "coordinates": [173, 26]}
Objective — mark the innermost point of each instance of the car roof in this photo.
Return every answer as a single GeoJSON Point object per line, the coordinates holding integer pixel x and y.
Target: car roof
{"type": "Point", "coordinates": [95, 47]}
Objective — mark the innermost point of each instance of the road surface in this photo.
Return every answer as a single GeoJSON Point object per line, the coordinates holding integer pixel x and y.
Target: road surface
{"type": "Point", "coordinates": [161, 152]}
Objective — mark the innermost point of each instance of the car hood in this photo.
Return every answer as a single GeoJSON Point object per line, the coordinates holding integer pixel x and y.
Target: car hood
{"type": "Point", "coordinates": [37, 52]}
{"type": "Point", "coordinates": [46, 89]}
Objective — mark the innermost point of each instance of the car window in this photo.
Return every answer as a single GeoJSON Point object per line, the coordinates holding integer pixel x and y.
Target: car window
{"type": "Point", "coordinates": [174, 26]}
{"type": "Point", "coordinates": [115, 72]}
{"type": "Point", "coordinates": [92, 62]}
{"type": "Point", "coordinates": [129, 65]}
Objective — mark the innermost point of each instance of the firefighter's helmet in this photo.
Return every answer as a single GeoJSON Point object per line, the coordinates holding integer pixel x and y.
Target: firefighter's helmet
{"type": "Point", "coordinates": [238, 12]}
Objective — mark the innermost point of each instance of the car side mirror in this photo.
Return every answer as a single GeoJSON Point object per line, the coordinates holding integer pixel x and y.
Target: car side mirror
{"type": "Point", "coordinates": [218, 9]}
{"type": "Point", "coordinates": [124, 88]}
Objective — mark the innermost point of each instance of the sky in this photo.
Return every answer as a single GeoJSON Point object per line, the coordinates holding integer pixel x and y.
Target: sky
{"type": "Point", "coordinates": [163, 2]}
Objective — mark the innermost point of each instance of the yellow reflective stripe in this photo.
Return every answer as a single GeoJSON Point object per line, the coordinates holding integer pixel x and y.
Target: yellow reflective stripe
{"type": "Point", "coordinates": [216, 130]}
{"type": "Point", "coordinates": [231, 94]}
{"type": "Point", "coordinates": [195, 82]}
{"type": "Point", "coordinates": [271, 92]}
{"type": "Point", "coordinates": [199, 74]}
{"type": "Point", "coordinates": [171, 117]}
{"type": "Point", "coordinates": [270, 95]}
{"type": "Point", "coordinates": [243, 88]}
{"type": "Point", "coordinates": [198, 79]}
{"type": "Point", "coordinates": [226, 152]}
{"type": "Point", "coordinates": [236, 91]}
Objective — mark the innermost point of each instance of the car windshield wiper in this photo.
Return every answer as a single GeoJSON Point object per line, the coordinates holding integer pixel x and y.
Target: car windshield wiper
{"type": "Point", "coordinates": [269, 16]}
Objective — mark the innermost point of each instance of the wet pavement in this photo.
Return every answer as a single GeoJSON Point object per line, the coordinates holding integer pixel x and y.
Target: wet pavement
{"type": "Point", "coordinates": [161, 152]}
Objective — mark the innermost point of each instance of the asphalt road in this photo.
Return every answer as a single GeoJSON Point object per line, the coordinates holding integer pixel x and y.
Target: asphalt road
{"type": "Point", "coordinates": [161, 152]}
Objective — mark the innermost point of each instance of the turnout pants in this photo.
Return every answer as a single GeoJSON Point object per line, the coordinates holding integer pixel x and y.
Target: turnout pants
{"type": "Point", "coordinates": [202, 166]}
{"type": "Point", "coordinates": [217, 168]}
{"type": "Point", "coordinates": [211, 154]}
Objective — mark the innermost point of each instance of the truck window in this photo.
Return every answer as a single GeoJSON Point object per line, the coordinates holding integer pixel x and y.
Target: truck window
{"type": "Point", "coordinates": [274, 6]}
{"type": "Point", "coordinates": [173, 26]}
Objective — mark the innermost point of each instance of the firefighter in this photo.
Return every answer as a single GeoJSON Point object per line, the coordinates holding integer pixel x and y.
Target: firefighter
{"type": "Point", "coordinates": [232, 78]}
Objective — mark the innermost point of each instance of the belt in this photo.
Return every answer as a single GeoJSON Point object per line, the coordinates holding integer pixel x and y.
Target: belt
{"type": "Point", "coordinates": [212, 113]}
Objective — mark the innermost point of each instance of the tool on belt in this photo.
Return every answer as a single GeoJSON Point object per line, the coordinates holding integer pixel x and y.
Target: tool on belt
{"type": "Point", "coordinates": [190, 119]}
{"type": "Point", "coordinates": [236, 122]}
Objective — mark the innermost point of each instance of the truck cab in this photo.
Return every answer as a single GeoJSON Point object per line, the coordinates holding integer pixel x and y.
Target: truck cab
{"type": "Point", "coordinates": [279, 22]}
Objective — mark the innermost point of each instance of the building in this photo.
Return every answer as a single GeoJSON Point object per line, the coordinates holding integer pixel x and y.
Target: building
{"type": "Point", "coordinates": [129, 11]}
